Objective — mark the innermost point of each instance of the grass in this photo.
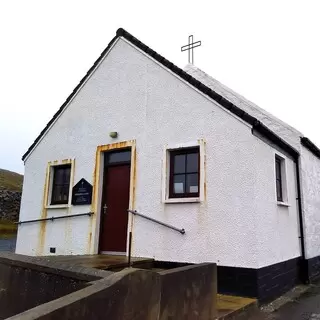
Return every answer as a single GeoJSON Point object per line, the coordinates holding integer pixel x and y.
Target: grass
{"type": "Point", "coordinates": [7, 229]}
{"type": "Point", "coordinates": [10, 180]}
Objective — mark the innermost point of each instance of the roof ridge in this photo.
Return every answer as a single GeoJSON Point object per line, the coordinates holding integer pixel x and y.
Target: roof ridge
{"type": "Point", "coordinates": [225, 103]}
{"type": "Point", "coordinates": [250, 103]}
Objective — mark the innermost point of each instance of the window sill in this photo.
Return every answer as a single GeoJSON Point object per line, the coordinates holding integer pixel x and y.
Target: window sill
{"type": "Point", "coordinates": [182, 200]}
{"type": "Point", "coordinates": [58, 206]}
{"type": "Point", "coordinates": [283, 204]}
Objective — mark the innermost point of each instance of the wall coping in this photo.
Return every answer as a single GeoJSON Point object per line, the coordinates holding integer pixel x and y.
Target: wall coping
{"type": "Point", "coordinates": [46, 265]}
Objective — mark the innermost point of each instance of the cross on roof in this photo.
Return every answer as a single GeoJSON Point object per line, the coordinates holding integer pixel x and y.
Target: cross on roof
{"type": "Point", "coordinates": [190, 46]}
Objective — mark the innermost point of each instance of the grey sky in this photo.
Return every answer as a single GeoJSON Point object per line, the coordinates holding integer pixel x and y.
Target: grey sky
{"type": "Point", "coordinates": [268, 51]}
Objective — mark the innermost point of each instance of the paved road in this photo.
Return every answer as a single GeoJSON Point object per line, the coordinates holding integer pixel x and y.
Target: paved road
{"type": "Point", "coordinates": [8, 244]}
{"type": "Point", "coordinates": [306, 307]}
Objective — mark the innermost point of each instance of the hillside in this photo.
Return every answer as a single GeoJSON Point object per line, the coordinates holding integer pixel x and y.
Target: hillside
{"type": "Point", "coordinates": [10, 181]}
{"type": "Point", "coordinates": [10, 196]}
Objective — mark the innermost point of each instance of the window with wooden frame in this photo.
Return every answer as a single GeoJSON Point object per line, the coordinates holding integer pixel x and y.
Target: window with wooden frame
{"type": "Point", "coordinates": [279, 178]}
{"type": "Point", "coordinates": [60, 184]}
{"type": "Point", "coordinates": [184, 173]}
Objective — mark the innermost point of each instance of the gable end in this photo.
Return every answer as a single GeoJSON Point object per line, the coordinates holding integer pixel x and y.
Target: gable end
{"type": "Point", "coordinates": [254, 122]}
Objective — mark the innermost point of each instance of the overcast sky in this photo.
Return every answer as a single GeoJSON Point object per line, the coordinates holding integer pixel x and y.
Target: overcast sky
{"type": "Point", "coordinates": [266, 50]}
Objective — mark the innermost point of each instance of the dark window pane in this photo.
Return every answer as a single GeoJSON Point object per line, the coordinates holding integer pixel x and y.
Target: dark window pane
{"type": "Point", "coordinates": [66, 175]}
{"type": "Point", "coordinates": [58, 175]}
{"type": "Point", "coordinates": [192, 162]}
{"type": "Point", "coordinates": [278, 168]}
{"type": "Point", "coordinates": [124, 156]}
{"type": "Point", "coordinates": [179, 183]}
{"type": "Point", "coordinates": [61, 184]}
{"type": "Point", "coordinates": [278, 179]}
{"type": "Point", "coordinates": [192, 183]}
{"type": "Point", "coordinates": [56, 196]}
{"type": "Point", "coordinates": [184, 173]}
{"type": "Point", "coordinates": [279, 189]}
{"type": "Point", "coordinates": [65, 192]}
{"type": "Point", "coordinates": [179, 163]}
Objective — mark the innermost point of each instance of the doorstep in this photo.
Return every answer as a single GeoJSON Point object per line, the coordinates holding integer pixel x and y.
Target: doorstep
{"type": "Point", "coordinates": [235, 308]}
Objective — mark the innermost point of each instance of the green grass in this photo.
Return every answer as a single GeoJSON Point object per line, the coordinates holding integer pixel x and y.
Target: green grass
{"type": "Point", "coordinates": [10, 180]}
{"type": "Point", "coordinates": [7, 229]}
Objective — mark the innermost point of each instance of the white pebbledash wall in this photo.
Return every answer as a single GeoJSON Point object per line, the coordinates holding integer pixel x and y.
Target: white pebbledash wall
{"type": "Point", "coordinates": [239, 223]}
{"type": "Point", "coordinates": [310, 172]}
{"type": "Point", "coordinates": [309, 163]}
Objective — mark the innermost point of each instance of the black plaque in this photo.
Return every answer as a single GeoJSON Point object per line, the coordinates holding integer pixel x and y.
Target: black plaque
{"type": "Point", "coordinates": [82, 193]}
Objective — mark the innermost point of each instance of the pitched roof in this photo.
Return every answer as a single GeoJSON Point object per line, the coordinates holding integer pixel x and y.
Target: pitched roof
{"type": "Point", "coordinates": [288, 133]}
{"type": "Point", "coordinates": [311, 146]}
{"type": "Point", "coordinates": [284, 130]}
{"type": "Point", "coordinates": [256, 124]}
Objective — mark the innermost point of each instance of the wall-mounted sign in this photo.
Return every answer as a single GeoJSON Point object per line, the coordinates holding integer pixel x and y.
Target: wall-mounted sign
{"type": "Point", "coordinates": [82, 193]}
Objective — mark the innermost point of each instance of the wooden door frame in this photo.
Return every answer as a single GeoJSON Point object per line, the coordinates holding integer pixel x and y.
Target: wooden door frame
{"type": "Point", "coordinates": [104, 198]}
{"type": "Point", "coordinates": [94, 227]}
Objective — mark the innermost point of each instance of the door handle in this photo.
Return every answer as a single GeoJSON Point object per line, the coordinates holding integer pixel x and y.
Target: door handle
{"type": "Point", "coordinates": [105, 209]}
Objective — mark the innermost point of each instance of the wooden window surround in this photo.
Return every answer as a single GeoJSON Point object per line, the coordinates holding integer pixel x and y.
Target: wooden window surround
{"type": "Point", "coordinates": [60, 184]}
{"type": "Point", "coordinates": [184, 173]}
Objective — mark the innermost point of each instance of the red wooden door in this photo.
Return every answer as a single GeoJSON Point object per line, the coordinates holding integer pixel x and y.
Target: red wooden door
{"type": "Point", "coordinates": [116, 191]}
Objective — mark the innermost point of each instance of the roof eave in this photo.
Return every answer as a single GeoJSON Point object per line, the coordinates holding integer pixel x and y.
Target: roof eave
{"type": "Point", "coordinates": [306, 142]}
{"type": "Point", "coordinates": [185, 76]}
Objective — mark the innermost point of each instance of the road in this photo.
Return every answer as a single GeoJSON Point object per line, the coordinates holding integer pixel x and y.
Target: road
{"type": "Point", "coordinates": [8, 244]}
{"type": "Point", "coordinates": [306, 307]}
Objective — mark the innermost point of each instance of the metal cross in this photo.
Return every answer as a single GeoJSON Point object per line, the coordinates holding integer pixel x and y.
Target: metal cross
{"type": "Point", "coordinates": [190, 46]}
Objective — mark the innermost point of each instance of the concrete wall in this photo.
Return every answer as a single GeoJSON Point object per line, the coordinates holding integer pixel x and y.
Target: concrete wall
{"type": "Point", "coordinates": [184, 293]}
{"type": "Point", "coordinates": [128, 294]}
{"type": "Point", "coordinates": [237, 220]}
{"type": "Point", "coordinates": [310, 181]}
{"type": "Point", "coordinates": [189, 293]}
{"type": "Point", "coordinates": [26, 283]}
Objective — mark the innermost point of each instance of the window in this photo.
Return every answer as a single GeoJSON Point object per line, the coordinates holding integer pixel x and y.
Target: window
{"type": "Point", "coordinates": [184, 173]}
{"type": "Point", "coordinates": [117, 157]}
{"type": "Point", "coordinates": [61, 184]}
{"type": "Point", "coordinates": [279, 182]}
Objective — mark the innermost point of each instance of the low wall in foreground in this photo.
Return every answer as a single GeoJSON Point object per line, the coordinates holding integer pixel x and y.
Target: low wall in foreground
{"type": "Point", "coordinates": [180, 293]}
{"type": "Point", "coordinates": [189, 292]}
{"type": "Point", "coordinates": [26, 282]}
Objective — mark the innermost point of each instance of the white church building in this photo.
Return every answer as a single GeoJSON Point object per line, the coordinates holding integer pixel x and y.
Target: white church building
{"type": "Point", "coordinates": [229, 182]}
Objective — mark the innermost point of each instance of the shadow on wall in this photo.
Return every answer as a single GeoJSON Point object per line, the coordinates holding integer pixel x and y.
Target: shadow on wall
{"type": "Point", "coordinates": [84, 293]}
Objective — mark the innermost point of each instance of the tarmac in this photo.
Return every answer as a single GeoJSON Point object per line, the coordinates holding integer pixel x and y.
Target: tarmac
{"type": "Point", "coordinates": [301, 305]}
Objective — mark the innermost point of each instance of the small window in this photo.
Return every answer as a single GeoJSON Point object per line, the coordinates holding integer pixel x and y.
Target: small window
{"type": "Point", "coordinates": [279, 178]}
{"type": "Point", "coordinates": [118, 157]}
{"type": "Point", "coordinates": [61, 184]}
{"type": "Point", "coordinates": [184, 173]}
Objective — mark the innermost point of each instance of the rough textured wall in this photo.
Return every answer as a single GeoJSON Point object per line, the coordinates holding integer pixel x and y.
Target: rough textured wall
{"type": "Point", "coordinates": [310, 168]}
{"type": "Point", "coordinates": [189, 293]}
{"type": "Point", "coordinates": [183, 293]}
{"type": "Point", "coordinates": [131, 94]}
{"type": "Point", "coordinates": [128, 294]}
{"type": "Point", "coordinates": [278, 230]}
{"type": "Point", "coordinates": [26, 282]}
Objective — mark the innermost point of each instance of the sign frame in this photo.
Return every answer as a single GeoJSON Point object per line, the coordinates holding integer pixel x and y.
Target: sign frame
{"type": "Point", "coordinates": [81, 193]}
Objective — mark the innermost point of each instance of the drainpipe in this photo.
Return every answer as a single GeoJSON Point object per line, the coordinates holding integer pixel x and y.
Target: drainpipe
{"type": "Point", "coordinates": [304, 276]}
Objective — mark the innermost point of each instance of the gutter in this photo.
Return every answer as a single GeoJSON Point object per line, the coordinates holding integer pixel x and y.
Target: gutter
{"type": "Point", "coordinates": [304, 272]}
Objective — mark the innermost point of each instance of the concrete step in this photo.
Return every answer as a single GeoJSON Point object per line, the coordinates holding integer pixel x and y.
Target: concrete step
{"type": "Point", "coordinates": [236, 308]}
